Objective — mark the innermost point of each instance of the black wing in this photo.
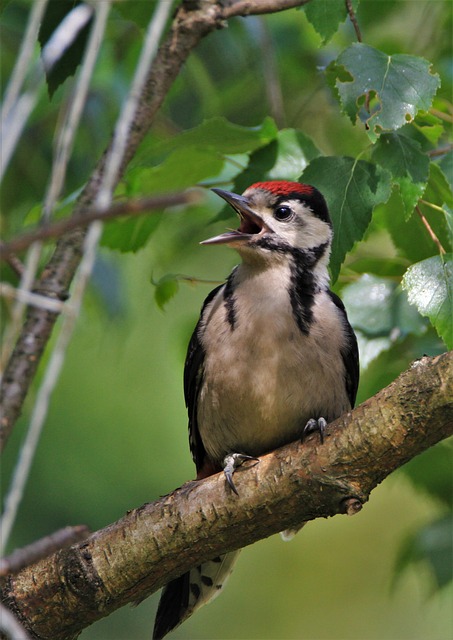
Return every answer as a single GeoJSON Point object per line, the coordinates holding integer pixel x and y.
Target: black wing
{"type": "Point", "coordinates": [193, 377]}
{"type": "Point", "coordinates": [350, 353]}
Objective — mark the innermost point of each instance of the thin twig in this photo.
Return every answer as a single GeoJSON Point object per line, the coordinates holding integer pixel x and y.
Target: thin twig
{"type": "Point", "coordinates": [257, 7]}
{"type": "Point", "coordinates": [14, 121]}
{"type": "Point", "coordinates": [353, 18]}
{"type": "Point", "coordinates": [24, 57]}
{"type": "Point", "coordinates": [41, 548]}
{"type": "Point", "coordinates": [433, 236]}
{"type": "Point", "coordinates": [85, 218]}
{"type": "Point", "coordinates": [30, 298]}
{"type": "Point", "coordinates": [441, 115]}
{"type": "Point", "coordinates": [72, 119]}
{"type": "Point", "coordinates": [441, 151]}
{"type": "Point", "coordinates": [26, 283]}
{"type": "Point", "coordinates": [16, 264]}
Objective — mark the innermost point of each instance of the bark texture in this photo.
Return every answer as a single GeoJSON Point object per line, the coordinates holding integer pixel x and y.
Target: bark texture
{"type": "Point", "coordinates": [128, 560]}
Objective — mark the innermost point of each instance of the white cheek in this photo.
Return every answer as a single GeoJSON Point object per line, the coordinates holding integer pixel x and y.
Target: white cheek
{"type": "Point", "coordinates": [313, 233]}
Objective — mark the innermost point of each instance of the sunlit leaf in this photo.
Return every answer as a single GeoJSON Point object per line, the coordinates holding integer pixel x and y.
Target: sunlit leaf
{"type": "Point", "coordinates": [384, 91]}
{"type": "Point", "coordinates": [326, 16]}
{"type": "Point", "coordinates": [215, 134]}
{"type": "Point", "coordinates": [429, 285]}
{"type": "Point", "coordinates": [352, 189]}
{"type": "Point", "coordinates": [184, 167]}
{"type": "Point", "coordinates": [380, 313]}
{"type": "Point", "coordinates": [407, 163]}
{"type": "Point", "coordinates": [130, 234]}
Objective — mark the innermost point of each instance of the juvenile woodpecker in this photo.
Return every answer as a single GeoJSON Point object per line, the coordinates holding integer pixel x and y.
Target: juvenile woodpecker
{"type": "Point", "coordinates": [272, 357]}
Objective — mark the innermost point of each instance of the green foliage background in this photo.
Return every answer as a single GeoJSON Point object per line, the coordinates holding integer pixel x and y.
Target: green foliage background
{"type": "Point", "coordinates": [116, 434]}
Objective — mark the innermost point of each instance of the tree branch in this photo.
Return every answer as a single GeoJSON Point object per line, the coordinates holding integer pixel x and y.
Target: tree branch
{"type": "Point", "coordinates": [193, 21]}
{"type": "Point", "coordinates": [130, 559]}
{"type": "Point", "coordinates": [85, 217]}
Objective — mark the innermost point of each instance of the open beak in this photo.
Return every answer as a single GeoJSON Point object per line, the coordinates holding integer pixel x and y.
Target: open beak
{"type": "Point", "coordinates": [251, 224]}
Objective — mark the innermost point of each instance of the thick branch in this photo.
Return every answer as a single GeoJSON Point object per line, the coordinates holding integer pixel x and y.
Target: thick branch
{"type": "Point", "coordinates": [132, 558]}
{"type": "Point", "coordinates": [193, 21]}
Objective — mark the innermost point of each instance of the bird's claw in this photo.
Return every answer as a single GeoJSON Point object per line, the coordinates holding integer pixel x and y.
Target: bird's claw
{"type": "Point", "coordinates": [313, 425]}
{"type": "Point", "coordinates": [231, 462]}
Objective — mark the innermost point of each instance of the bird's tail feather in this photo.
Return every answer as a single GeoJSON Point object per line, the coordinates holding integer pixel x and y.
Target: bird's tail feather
{"type": "Point", "coordinates": [184, 595]}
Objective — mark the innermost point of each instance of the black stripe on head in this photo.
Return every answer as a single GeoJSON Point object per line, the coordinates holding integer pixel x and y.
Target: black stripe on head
{"type": "Point", "coordinates": [314, 200]}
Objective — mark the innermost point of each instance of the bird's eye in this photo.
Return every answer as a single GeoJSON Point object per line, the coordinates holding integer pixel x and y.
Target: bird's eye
{"type": "Point", "coordinates": [283, 213]}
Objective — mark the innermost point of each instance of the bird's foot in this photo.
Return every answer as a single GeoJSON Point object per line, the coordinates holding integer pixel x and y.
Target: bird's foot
{"type": "Point", "coordinates": [231, 462]}
{"type": "Point", "coordinates": [313, 425]}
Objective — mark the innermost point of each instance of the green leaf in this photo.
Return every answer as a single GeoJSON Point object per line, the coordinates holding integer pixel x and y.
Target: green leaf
{"type": "Point", "coordinates": [396, 87]}
{"type": "Point", "coordinates": [439, 189]}
{"type": "Point", "coordinates": [380, 313]}
{"type": "Point", "coordinates": [165, 289]}
{"type": "Point", "coordinates": [432, 544]}
{"type": "Point", "coordinates": [410, 235]}
{"type": "Point", "coordinates": [407, 163]}
{"type": "Point", "coordinates": [429, 285]}
{"type": "Point", "coordinates": [431, 472]}
{"type": "Point", "coordinates": [326, 16]}
{"type": "Point", "coordinates": [385, 266]}
{"type": "Point", "coordinates": [352, 189]}
{"type": "Point", "coordinates": [215, 134]}
{"type": "Point", "coordinates": [429, 126]}
{"type": "Point", "coordinates": [184, 167]}
{"type": "Point", "coordinates": [135, 10]}
{"type": "Point", "coordinates": [66, 66]}
{"type": "Point", "coordinates": [130, 234]}
{"type": "Point", "coordinates": [446, 164]}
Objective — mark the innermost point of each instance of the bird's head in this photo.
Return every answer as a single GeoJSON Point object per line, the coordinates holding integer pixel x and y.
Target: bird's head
{"type": "Point", "coordinates": [278, 218]}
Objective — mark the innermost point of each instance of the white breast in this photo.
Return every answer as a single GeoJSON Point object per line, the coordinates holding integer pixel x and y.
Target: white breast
{"type": "Point", "coordinates": [264, 379]}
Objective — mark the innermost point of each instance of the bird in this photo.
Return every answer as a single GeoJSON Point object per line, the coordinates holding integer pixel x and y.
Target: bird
{"type": "Point", "coordinates": [272, 358]}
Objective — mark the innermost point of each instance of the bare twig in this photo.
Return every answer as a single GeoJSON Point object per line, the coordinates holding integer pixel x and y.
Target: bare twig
{"type": "Point", "coordinates": [441, 115]}
{"type": "Point", "coordinates": [72, 118]}
{"type": "Point", "coordinates": [429, 229]}
{"type": "Point", "coordinates": [41, 548]}
{"type": "Point", "coordinates": [441, 151]}
{"type": "Point", "coordinates": [13, 328]}
{"type": "Point", "coordinates": [14, 120]}
{"type": "Point", "coordinates": [15, 263]}
{"type": "Point", "coordinates": [353, 18]}
{"type": "Point", "coordinates": [149, 546]}
{"type": "Point", "coordinates": [259, 7]}
{"type": "Point", "coordinates": [85, 217]}
{"type": "Point", "coordinates": [29, 298]}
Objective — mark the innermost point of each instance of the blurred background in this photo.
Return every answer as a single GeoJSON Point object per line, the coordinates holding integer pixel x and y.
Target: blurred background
{"type": "Point", "coordinates": [116, 435]}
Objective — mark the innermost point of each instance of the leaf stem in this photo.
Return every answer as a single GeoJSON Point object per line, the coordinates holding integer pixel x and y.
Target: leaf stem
{"type": "Point", "coordinates": [353, 19]}
{"type": "Point", "coordinates": [433, 236]}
